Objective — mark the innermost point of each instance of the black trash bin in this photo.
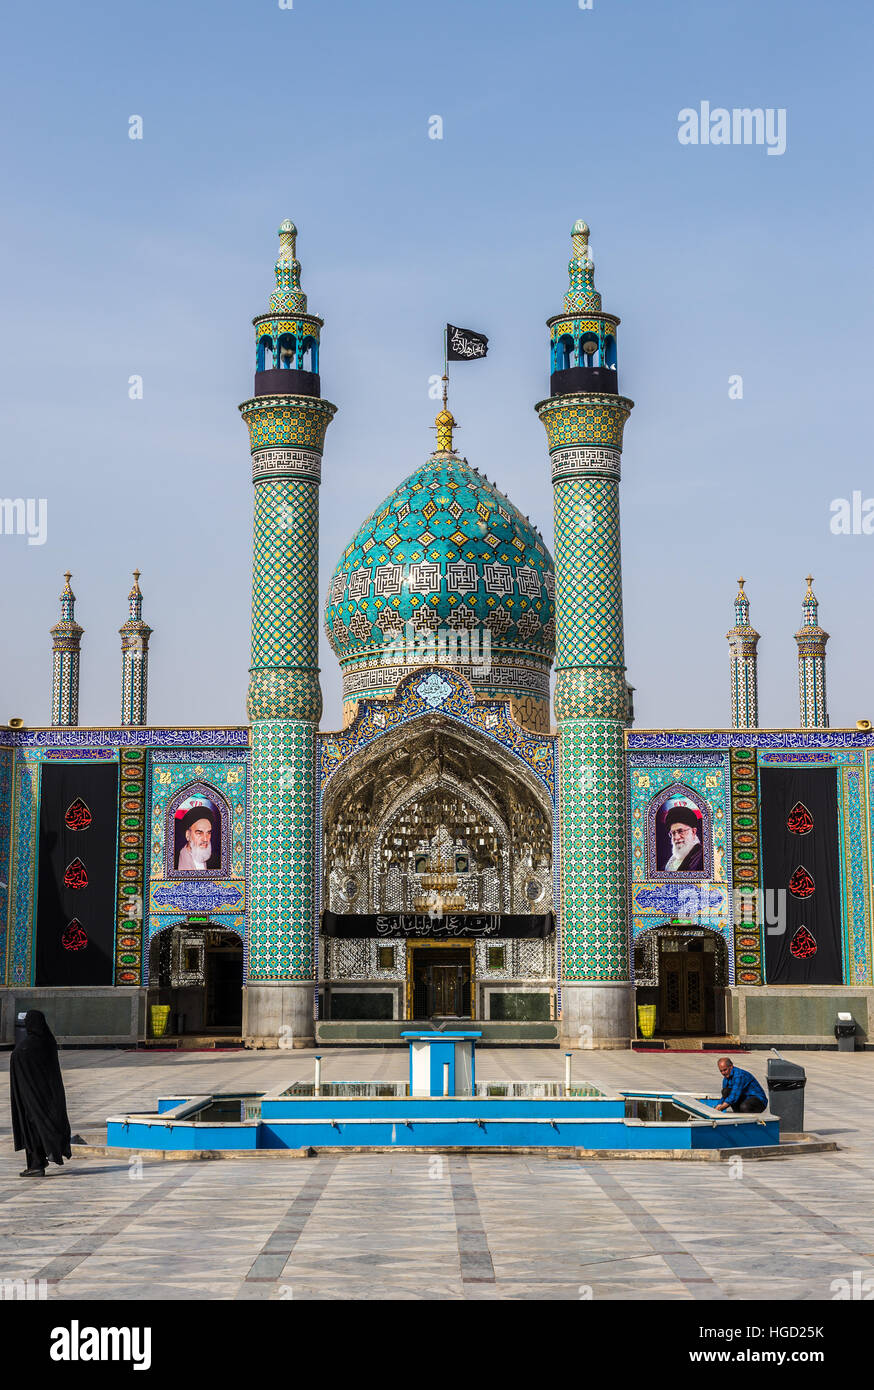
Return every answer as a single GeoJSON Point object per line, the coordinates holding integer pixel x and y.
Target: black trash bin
{"type": "Point", "coordinates": [845, 1032]}
{"type": "Point", "coordinates": [20, 1030]}
{"type": "Point", "coordinates": [786, 1082]}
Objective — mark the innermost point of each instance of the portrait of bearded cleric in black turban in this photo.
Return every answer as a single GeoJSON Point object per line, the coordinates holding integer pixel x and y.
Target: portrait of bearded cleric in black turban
{"type": "Point", "coordinates": [679, 831]}
{"type": "Point", "coordinates": [198, 844]}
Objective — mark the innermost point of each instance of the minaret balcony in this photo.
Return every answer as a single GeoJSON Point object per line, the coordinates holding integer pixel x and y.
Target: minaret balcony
{"type": "Point", "coordinates": [574, 381]}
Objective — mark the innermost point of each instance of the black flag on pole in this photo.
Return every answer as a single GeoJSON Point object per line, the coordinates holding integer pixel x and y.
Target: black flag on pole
{"type": "Point", "coordinates": [462, 344]}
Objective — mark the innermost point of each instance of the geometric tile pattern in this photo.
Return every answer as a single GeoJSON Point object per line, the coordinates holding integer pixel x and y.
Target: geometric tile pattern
{"type": "Point", "coordinates": [568, 335]}
{"type": "Point", "coordinates": [855, 836]}
{"type": "Point", "coordinates": [593, 692]}
{"type": "Point", "coordinates": [135, 636]}
{"type": "Point", "coordinates": [303, 331]}
{"type": "Point", "coordinates": [284, 682]}
{"type": "Point", "coordinates": [743, 642]}
{"type": "Point", "coordinates": [376, 718]}
{"type": "Point", "coordinates": [811, 690]}
{"type": "Point", "coordinates": [811, 641]}
{"type": "Point", "coordinates": [591, 697]}
{"type": "Point", "coordinates": [592, 844]}
{"type": "Point", "coordinates": [288, 297]}
{"type": "Point", "coordinates": [6, 756]}
{"type": "Point", "coordinates": [284, 588]}
{"type": "Point", "coordinates": [285, 695]}
{"type": "Point", "coordinates": [446, 551]}
{"type": "Point", "coordinates": [581, 292]}
{"type": "Point", "coordinates": [66, 636]}
{"type": "Point", "coordinates": [285, 701]}
{"type": "Point", "coordinates": [298, 327]}
{"type": "Point", "coordinates": [22, 898]}
{"type": "Point", "coordinates": [584, 419]}
{"type": "Point", "coordinates": [131, 836]}
{"type": "Point", "coordinates": [65, 684]}
{"type": "Point", "coordinates": [282, 845]}
{"type": "Point", "coordinates": [532, 713]}
{"type": "Point", "coordinates": [589, 572]}
{"type": "Point", "coordinates": [746, 866]}
{"type": "Point", "coordinates": [284, 422]}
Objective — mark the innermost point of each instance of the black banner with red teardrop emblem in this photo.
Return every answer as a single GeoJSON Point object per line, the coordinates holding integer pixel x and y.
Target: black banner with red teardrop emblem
{"type": "Point", "coordinates": [75, 906]}
{"type": "Point", "coordinates": [801, 875]}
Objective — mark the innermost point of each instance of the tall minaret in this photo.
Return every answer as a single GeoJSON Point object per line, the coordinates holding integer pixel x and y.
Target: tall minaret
{"type": "Point", "coordinates": [287, 420]}
{"type": "Point", "coordinates": [811, 664]}
{"type": "Point", "coordinates": [66, 636]}
{"type": "Point", "coordinates": [135, 636]}
{"type": "Point", "coordinates": [584, 419]}
{"type": "Point", "coordinates": [743, 659]}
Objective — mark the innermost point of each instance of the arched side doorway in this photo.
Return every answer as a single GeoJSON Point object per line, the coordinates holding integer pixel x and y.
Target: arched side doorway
{"type": "Point", "coordinates": [198, 971]}
{"type": "Point", "coordinates": [683, 971]}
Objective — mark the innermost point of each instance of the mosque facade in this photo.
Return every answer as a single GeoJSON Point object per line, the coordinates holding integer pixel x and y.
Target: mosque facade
{"type": "Point", "coordinates": [475, 842]}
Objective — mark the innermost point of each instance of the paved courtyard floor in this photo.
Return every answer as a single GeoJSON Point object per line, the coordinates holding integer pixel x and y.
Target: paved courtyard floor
{"type": "Point", "coordinates": [413, 1226]}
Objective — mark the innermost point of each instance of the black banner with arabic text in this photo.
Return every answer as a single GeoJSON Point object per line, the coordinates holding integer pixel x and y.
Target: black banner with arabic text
{"type": "Point", "coordinates": [453, 924]}
{"type": "Point", "coordinates": [462, 344]}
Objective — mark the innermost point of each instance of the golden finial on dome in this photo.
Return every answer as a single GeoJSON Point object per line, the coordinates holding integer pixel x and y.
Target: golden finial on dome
{"type": "Point", "coordinates": [445, 423]}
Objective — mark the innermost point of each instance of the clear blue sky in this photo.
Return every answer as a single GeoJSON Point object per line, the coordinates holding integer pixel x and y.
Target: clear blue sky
{"type": "Point", "coordinates": [150, 257]}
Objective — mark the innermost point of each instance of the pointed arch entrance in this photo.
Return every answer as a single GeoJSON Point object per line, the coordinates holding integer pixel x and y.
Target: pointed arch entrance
{"type": "Point", "coordinates": [440, 839]}
{"type": "Point", "coordinates": [683, 971]}
{"type": "Point", "coordinates": [197, 969]}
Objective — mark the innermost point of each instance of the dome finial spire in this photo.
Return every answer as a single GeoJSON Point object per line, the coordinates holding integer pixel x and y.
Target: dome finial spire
{"type": "Point", "coordinates": [445, 423]}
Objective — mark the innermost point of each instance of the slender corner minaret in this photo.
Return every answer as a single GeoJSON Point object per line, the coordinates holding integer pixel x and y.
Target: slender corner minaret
{"type": "Point", "coordinates": [811, 664]}
{"type": "Point", "coordinates": [135, 636]}
{"type": "Point", "coordinates": [287, 420]}
{"type": "Point", "coordinates": [66, 636]}
{"type": "Point", "coordinates": [743, 660]}
{"type": "Point", "coordinates": [584, 418]}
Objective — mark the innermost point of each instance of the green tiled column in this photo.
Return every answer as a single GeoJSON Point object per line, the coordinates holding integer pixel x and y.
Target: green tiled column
{"type": "Point", "coordinates": [287, 435]}
{"type": "Point", "coordinates": [592, 707]}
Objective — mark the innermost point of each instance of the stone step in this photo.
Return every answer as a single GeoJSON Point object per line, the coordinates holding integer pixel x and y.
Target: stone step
{"type": "Point", "coordinates": [380, 1034]}
{"type": "Point", "coordinates": [684, 1044]}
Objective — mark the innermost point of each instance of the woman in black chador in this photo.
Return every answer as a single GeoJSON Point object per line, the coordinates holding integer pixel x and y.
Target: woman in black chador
{"type": "Point", "coordinates": [39, 1105]}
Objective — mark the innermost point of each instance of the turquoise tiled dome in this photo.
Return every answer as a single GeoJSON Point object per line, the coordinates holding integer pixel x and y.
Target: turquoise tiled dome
{"type": "Point", "coordinates": [446, 548]}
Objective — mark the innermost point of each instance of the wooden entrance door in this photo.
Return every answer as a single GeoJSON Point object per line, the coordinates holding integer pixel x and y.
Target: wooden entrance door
{"type": "Point", "coordinates": [441, 984]}
{"type": "Point", "coordinates": [224, 987]}
{"type": "Point", "coordinates": [684, 991]}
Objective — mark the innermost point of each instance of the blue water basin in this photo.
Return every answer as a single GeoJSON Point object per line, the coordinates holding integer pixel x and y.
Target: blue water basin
{"type": "Point", "coordinates": [340, 1116]}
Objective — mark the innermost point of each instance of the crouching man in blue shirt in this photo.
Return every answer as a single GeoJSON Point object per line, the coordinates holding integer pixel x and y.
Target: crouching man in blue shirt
{"type": "Point", "coordinates": [741, 1091]}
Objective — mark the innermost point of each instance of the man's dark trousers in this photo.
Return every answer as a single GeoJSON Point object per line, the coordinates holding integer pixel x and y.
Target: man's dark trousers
{"type": "Point", "coordinates": [748, 1105]}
